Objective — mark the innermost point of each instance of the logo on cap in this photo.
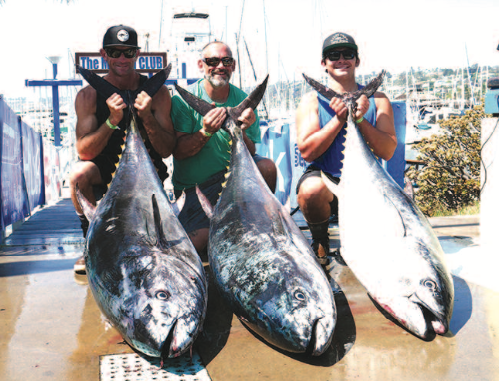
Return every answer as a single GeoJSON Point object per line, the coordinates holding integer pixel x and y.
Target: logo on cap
{"type": "Point", "coordinates": [339, 39]}
{"type": "Point", "coordinates": [123, 35]}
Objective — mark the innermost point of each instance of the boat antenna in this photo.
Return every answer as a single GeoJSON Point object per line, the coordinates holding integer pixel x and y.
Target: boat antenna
{"type": "Point", "coordinates": [238, 35]}
{"type": "Point", "coordinates": [472, 100]}
{"type": "Point", "coordinates": [160, 25]}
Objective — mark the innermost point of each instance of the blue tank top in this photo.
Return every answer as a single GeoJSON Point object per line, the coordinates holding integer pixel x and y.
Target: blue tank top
{"type": "Point", "coordinates": [330, 161]}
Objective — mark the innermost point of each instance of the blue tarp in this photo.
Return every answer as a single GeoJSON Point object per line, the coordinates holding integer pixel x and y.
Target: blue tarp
{"type": "Point", "coordinates": [21, 184]}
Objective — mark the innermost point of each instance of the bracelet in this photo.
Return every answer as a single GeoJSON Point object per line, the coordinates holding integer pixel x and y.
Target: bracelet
{"type": "Point", "coordinates": [360, 120]}
{"type": "Point", "coordinates": [206, 133]}
{"type": "Point", "coordinates": [111, 126]}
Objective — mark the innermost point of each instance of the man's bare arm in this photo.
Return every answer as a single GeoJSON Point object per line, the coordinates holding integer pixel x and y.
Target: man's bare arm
{"type": "Point", "coordinates": [155, 115]}
{"type": "Point", "coordinates": [90, 138]}
{"type": "Point", "coordinates": [313, 141]}
{"type": "Point", "coordinates": [381, 139]}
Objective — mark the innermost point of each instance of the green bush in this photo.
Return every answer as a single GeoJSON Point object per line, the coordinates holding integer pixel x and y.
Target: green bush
{"type": "Point", "coordinates": [450, 178]}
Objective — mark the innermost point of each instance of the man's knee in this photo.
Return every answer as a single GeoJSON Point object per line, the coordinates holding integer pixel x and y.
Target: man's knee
{"type": "Point", "coordinates": [85, 174]}
{"type": "Point", "coordinates": [268, 170]}
{"type": "Point", "coordinates": [311, 186]}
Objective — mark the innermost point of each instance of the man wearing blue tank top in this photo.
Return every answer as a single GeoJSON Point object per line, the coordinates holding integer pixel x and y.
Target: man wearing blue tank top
{"type": "Point", "coordinates": [320, 125]}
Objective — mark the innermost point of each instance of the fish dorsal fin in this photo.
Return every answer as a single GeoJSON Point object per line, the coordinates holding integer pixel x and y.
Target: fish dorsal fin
{"type": "Point", "coordinates": [205, 203]}
{"type": "Point", "coordinates": [251, 100]}
{"type": "Point", "coordinates": [199, 105]}
{"type": "Point", "coordinates": [160, 234]}
{"type": "Point", "coordinates": [87, 207]}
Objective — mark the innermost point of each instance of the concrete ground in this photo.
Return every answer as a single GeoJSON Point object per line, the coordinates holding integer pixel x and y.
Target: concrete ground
{"type": "Point", "coordinates": [52, 329]}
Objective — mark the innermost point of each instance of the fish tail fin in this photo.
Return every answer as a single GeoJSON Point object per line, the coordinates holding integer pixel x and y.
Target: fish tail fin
{"type": "Point", "coordinates": [198, 104]}
{"type": "Point", "coordinates": [205, 203]}
{"type": "Point", "coordinates": [103, 87]}
{"type": "Point", "coordinates": [87, 207]}
{"type": "Point", "coordinates": [368, 90]}
{"type": "Point", "coordinates": [371, 87]}
{"type": "Point", "coordinates": [100, 85]}
{"type": "Point", "coordinates": [153, 84]}
{"type": "Point", "coordinates": [251, 100]}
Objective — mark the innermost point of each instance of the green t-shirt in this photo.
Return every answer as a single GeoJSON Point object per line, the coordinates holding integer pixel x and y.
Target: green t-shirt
{"type": "Point", "coordinates": [215, 155]}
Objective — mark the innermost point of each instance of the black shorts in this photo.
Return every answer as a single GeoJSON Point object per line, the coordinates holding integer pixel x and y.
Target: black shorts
{"type": "Point", "coordinates": [107, 166]}
{"type": "Point", "coordinates": [313, 171]}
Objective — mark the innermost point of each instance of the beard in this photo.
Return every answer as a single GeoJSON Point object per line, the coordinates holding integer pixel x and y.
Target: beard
{"type": "Point", "coordinates": [218, 81]}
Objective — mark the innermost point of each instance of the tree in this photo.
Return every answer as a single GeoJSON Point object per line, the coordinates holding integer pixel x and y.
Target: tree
{"type": "Point", "coordinates": [450, 178]}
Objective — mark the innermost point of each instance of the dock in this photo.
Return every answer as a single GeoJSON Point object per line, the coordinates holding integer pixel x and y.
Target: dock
{"type": "Point", "coordinates": [52, 329]}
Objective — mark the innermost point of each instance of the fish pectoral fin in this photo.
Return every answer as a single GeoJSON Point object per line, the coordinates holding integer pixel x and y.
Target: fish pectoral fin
{"type": "Point", "coordinates": [399, 227]}
{"type": "Point", "coordinates": [179, 203]}
{"type": "Point", "coordinates": [160, 234]}
{"type": "Point", "coordinates": [335, 188]}
{"type": "Point", "coordinates": [205, 203]}
{"type": "Point", "coordinates": [87, 207]}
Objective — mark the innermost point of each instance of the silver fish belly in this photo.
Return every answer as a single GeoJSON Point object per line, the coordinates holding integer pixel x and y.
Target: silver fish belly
{"type": "Point", "coordinates": [389, 245]}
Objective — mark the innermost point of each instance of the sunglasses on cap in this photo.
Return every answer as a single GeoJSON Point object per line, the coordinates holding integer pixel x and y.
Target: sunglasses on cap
{"type": "Point", "coordinates": [215, 61]}
{"type": "Point", "coordinates": [336, 54]}
{"type": "Point", "coordinates": [116, 53]}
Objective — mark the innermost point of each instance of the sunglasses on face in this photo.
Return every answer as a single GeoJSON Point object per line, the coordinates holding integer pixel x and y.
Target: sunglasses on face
{"type": "Point", "coordinates": [215, 61]}
{"type": "Point", "coordinates": [335, 55]}
{"type": "Point", "coordinates": [116, 53]}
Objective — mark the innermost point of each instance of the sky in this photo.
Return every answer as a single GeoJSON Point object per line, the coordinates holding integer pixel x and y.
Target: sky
{"type": "Point", "coordinates": [391, 34]}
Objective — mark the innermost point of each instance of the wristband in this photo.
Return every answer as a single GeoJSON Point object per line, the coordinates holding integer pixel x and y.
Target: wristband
{"type": "Point", "coordinates": [111, 126]}
{"type": "Point", "coordinates": [360, 120]}
{"type": "Point", "coordinates": [206, 133]}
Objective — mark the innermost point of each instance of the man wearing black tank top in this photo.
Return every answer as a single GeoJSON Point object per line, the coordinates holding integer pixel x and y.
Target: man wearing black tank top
{"type": "Point", "coordinates": [101, 128]}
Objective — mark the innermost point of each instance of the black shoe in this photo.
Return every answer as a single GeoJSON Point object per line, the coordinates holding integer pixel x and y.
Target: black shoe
{"type": "Point", "coordinates": [84, 224]}
{"type": "Point", "coordinates": [321, 250]}
{"type": "Point", "coordinates": [337, 256]}
{"type": "Point", "coordinates": [80, 267]}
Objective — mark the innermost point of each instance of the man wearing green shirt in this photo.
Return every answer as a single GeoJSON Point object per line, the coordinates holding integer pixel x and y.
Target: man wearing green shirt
{"type": "Point", "coordinates": [202, 153]}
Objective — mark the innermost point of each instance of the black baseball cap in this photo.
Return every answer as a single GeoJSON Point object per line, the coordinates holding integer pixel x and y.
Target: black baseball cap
{"type": "Point", "coordinates": [120, 35]}
{"type": "Point", "coordinates": [338, 40]}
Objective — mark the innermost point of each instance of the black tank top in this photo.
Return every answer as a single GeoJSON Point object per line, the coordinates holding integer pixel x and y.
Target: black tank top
{"type": "Point", "coordinates": [113, 147]}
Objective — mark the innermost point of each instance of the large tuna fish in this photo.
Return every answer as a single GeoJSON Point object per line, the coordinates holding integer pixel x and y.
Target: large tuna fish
{"type": "Point", "coordinates": [142, 268]}
{"type": "Point", "coordinates": [263, 265]}
{"type": "Point", "coordinates": [385, 239]}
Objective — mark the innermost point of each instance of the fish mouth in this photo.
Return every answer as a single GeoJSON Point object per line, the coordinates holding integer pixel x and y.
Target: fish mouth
{"type": "Point", "coordinates": [414, 316]}
{"type": "Point", "coordinates": [166, 349]}
{"type": "Point", "coordinates": [436, 324]}
{"type": "Point", "coordinates": [320, 337]}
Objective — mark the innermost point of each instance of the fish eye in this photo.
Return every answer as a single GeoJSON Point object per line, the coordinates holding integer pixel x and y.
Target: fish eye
{"type": "Point", "coordinates": [162, 295]}
{"type": "Point", "coordinates": [428, 283]}
{"type": "Point", "coordinates": [299, 295]}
